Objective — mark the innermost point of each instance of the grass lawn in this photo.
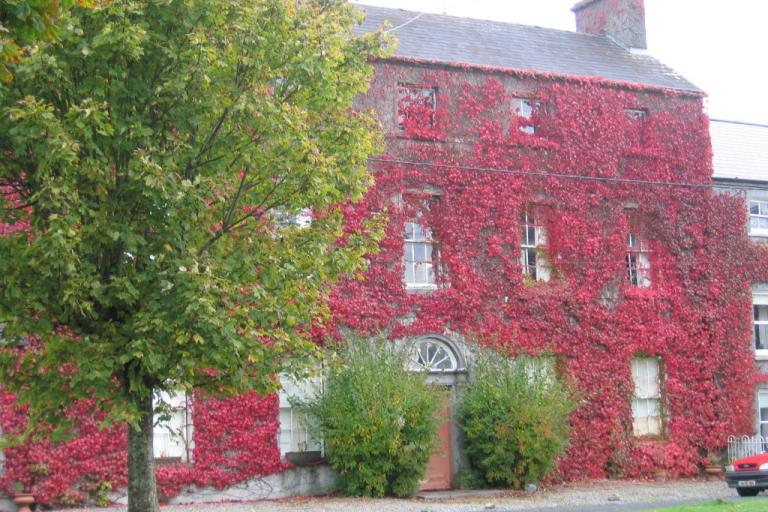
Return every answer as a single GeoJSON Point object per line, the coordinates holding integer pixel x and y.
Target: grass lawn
{"type": "Point", "coordinates": [739, 505]}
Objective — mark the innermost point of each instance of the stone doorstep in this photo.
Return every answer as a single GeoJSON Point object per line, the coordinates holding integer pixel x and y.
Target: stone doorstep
{"type": "Point", "coordinates": [462, 494]}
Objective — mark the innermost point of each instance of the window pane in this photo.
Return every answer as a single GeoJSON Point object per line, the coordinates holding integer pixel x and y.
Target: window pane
{"type": "Point", "coordinates": [761, 336]}
{"type": "Point", "coordinates": [409, 273]}
{"type": "Point", "coordinates": [754, 207]}
{"type": "Point", "coordinates": [409, 226]}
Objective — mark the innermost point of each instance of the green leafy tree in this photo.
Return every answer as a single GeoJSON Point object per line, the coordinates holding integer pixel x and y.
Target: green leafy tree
{"type": "Point", "coordinates": [378, 419]}
{"type": "Point", "coordinates": [515, 418]}
{"type": "Point", "coordinates": [24, 22]}
{"type": "Point", "coordinates": [156, 157]}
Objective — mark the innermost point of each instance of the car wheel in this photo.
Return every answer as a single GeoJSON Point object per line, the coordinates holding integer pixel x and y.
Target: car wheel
{"type": "Point", "coordinates": [747, 492]}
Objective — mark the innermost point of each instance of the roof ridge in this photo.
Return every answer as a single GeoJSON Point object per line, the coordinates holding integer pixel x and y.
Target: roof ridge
{"type": "Point", "coordinates": [573, 32]}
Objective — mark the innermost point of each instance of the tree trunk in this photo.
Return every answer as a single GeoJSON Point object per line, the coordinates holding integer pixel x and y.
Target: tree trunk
{"type": "Point", "coordinates": [142, 487]}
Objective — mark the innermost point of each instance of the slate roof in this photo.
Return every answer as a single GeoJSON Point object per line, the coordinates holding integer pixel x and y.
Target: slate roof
{"type": "Point", "coordinates": [450, 39]}
{"type": "Point", "coordinates": [740, 150]}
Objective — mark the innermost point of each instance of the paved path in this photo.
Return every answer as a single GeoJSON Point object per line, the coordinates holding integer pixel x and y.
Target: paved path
{"type": "Point", "coordinates": [593, 496]}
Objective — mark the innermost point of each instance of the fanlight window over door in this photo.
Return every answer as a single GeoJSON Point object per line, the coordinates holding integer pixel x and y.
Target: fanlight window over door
{"type": "Point", "coordinates": [433, 356]}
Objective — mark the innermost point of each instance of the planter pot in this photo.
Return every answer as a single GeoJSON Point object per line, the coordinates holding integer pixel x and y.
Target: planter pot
{"type": "Point", "coordinates": [713, 472]}
{"type": "Point", "coordinates": [23, 501]}
{"type": "Point", "coordinates": [660, 475]}
{"type": "Point", "coordinates": [311, 458]}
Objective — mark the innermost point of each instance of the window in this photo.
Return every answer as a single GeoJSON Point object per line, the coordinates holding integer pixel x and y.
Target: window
{"type": "Point", "coordinates": [418, 254]}
{"type": "Point", "coordinates": [294, 435]}
{"type": "Point", "coordinates": [646, 403]}
{"type": "Point", "coordinates": [758, 217]}
{"type": "Point", "coordinates": [525, 109]}
{"type": "Point", "coordinates": [637, 118]}
{"type": "Point", "coordinates": [762, 414]}
{"type": "Point", "coordinates": [416, 107]}
{"type": "Point", "coordinates": [542, 370]}
{"type": "Point", "coordinates": [172, 430]}
{"type": "Point", "coordinates": [532, 255]}
{"type": "Point", "coordinates": [638, 261]}
{"type": "Point", "coordinates": [432, 355]}
{"type": "Point", "coordinates": [760, 323]}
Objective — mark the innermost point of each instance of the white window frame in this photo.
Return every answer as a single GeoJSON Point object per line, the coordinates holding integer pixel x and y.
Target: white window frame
{"type": "Point", "coordinates": [646, 397]}
{"type": "Point", "coordinates": [524, 108]}
{"type": "Point", "coordinates": [417, 238]}
{"type": "Point", "coordinates": [762, 419]}
{"type": "Point", "coordinates": [407, 93]}
{"type": "Point", "coordinates": [759, 300]}
{"type": "Point", "coordinates": [293, 434]}
{"type": "Point", "coordinates": [432, 355]}
{"type": "Point", "coordinates": [760, 215]}
{"type": "Point", "coordinates": [533, 240]}
{"type": "Point", "coordinates": [172, 436]}
{"type": "Point", "coordinates": [638, 261]}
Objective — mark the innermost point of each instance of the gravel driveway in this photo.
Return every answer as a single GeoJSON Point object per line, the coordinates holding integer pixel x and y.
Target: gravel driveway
{"type": "Point", "coordinates": [594, 495]}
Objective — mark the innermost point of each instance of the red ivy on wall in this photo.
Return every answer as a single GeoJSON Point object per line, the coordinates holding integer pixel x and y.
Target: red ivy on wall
{"type": "Point", "coordinates": [481, 172]}
{"type": "Point", "coordinates": [483, 168]}
{"type": "Point", "coordinates": [234, 440]}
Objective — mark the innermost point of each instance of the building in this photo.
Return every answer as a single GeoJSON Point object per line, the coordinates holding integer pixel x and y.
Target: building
{"type": "Point", "coordinates": [740, 168]}
{"type": "Point", "coordinates": [548, 193]}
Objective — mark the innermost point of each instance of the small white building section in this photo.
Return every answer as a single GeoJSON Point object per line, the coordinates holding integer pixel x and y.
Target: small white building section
{"type": "Point", "coordinates": [740, 167]}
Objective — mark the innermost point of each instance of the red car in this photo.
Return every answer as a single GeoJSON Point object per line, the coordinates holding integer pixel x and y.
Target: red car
{"type": "Point", "coordinates": [748, 475]}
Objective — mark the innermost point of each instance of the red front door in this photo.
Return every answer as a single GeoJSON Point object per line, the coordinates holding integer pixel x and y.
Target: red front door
{"type": "Point", "coordinates": [438, 476]}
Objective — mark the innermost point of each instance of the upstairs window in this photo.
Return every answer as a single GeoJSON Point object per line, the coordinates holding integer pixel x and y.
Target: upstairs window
{"type": "Point", "coordinates": [525, 110]}
{"type": "Point", "coordinates": [416, 107]}
{"type": "Point", "coordinates": [532, 253]}
{"type": "Point", "coordinates": [758, 218]}
{"type": "Point", "coordinates": [418, 251]}
{"type": "Point", "coordinates": [646, 402]}
{"type": "Point", "coordinates": [760, 324]}
{"type": "Point", "coordinates": [637, 118]}
{"type": "Point", "coordinates": [638, 261]}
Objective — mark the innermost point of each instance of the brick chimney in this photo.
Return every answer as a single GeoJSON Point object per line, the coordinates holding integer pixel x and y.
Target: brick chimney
{"type": "Point", "coordinates": [621, 20]}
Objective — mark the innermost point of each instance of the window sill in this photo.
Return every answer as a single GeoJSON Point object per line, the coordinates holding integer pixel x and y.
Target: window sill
{"type": "Point", "coordinates": [533, 141]}
{"type": "Point", "coordinates": [421, 289]}
{"type": "Point", "coordinates": [761, 355]}
{"type": "Point", "coordinates": [308, 458]}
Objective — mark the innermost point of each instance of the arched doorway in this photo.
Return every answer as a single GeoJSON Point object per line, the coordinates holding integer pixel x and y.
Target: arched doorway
{"type": "Point", "coordinates": [442, 361]}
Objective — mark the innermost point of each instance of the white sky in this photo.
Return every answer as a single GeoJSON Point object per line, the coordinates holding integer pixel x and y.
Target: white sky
{"type": "Point", "coordinates": [719, 45]}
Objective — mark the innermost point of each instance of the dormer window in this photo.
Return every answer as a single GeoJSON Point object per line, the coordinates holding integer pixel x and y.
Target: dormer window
{"type": "Point", "coordinates": [524, 111]}
{"type": "Point", "coordinates": [416, 107]}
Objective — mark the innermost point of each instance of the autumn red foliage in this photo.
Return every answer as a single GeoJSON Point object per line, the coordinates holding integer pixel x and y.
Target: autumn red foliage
{"type": "Point", "coordinates": [593, 174]}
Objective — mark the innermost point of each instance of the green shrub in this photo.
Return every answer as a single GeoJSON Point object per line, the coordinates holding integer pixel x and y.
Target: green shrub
{"type": "Point", "coordinates": [378, 420]}
{"type": "Point", "coordinates": [514, 415]}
